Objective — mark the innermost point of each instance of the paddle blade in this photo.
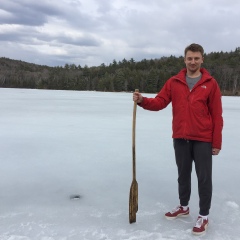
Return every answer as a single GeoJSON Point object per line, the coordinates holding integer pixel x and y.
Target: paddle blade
{"type": "Point", "coordinates": [133, 201]}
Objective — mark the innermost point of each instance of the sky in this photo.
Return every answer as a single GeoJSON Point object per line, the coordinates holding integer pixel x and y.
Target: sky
{"type": "Point", "coordinates": [59, 144]}
{"type": "Point", "coordinates": [92, 32]}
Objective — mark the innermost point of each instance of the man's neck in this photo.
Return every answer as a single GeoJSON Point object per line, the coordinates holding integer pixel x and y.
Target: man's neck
{"type": "Point", "coordinates": [193, 74]}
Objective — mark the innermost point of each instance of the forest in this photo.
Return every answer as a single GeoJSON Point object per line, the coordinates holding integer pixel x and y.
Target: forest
{"type": "Point", "coordinates": [126, 75]}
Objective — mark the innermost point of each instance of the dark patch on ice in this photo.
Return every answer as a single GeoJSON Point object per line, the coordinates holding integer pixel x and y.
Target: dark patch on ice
{"type": "Point", "coordinates": [75, 197]}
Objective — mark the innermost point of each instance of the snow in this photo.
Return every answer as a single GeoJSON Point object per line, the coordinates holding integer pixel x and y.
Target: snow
{"type": "Point", "coordinates": [58, 144]}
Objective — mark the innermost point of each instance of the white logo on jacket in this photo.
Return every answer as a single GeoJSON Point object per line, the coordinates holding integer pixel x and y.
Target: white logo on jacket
{"type": "Point", "coordinates": [203, 86]}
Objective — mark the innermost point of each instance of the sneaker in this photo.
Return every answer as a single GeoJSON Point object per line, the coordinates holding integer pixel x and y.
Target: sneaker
{"type": "Point", "coordinates": [177, 212]}
{"type": "Point", "coordinates": [201, 226]}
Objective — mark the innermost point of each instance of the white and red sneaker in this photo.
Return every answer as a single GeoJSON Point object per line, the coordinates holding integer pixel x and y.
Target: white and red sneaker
{"type": "Point", "coordinates": [201, 226]}
{"type": "Point", "coordinates": [177, 212]}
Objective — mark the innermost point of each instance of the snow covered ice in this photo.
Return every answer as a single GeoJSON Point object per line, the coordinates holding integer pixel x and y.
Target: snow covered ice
{"type": "Point", "coordinates": [57, 144]}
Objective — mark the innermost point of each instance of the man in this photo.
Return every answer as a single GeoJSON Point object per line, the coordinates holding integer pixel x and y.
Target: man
{"type": "Point", "coordinates": [197, 129]}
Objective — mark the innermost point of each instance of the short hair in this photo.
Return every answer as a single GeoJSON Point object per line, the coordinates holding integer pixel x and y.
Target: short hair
{"type": "Point", "coordinates": [194, 47]}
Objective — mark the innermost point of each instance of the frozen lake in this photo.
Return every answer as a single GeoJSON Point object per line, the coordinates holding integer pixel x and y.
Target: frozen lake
{"type": "Point", "coordinates": [55, 144]}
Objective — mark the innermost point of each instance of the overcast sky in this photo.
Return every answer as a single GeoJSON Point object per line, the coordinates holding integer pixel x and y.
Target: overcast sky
{"type": "Point", "coordinates": [92, 32]}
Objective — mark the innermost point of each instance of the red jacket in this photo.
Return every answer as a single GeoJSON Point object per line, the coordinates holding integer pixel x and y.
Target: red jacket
{"type": "Point", "coordinates": [197, 114]}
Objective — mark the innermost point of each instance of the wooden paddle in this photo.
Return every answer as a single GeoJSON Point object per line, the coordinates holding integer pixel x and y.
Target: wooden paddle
{"type": "Point", "coordinates": [133, 198]}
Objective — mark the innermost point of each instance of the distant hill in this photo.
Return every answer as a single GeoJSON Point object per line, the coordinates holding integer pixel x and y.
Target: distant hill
{"type": "Point", "coordinates": [126, 75]}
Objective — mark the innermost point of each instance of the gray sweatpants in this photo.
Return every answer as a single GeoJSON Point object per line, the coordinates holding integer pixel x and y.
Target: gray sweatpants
{"type": "Point", "coordinates": [187, 151]}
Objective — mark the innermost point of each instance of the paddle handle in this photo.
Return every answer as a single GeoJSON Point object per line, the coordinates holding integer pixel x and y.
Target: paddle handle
{"type": "Point", "coordinates": [134, 139]}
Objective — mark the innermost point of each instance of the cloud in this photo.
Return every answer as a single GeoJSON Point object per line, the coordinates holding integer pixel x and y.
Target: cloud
{"type": "Point", "coordinates": [94, 32]}
{"type": "Point", "coordinates": [25, 12]}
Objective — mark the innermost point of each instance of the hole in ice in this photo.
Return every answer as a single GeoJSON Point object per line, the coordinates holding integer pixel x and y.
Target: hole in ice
{"type": "Point", "coordinates": [75, 197]}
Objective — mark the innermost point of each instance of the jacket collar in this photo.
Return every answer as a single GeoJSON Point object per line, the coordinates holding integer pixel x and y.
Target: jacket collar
{"type": "Point", "coordinates": [181, 76]}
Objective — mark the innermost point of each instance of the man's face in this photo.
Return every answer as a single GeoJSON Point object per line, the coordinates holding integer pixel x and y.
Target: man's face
{"type": "Point", "coordinates": [193, 61]}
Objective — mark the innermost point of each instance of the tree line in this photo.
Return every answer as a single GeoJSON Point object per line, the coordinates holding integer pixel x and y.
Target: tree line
{"type": "Point", "coordinates": [126, 75]}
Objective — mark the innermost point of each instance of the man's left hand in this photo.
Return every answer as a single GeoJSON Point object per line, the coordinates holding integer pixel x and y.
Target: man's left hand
{"type": "Point", "coordinates": [215, 151]}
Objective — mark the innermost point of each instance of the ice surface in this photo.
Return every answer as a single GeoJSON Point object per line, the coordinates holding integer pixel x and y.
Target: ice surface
{"type": "Point", "coordinates": [57, 144]}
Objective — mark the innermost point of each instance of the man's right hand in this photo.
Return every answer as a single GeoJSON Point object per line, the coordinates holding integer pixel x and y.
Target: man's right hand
{"type": "Point", "coordinates": [137, 97]}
